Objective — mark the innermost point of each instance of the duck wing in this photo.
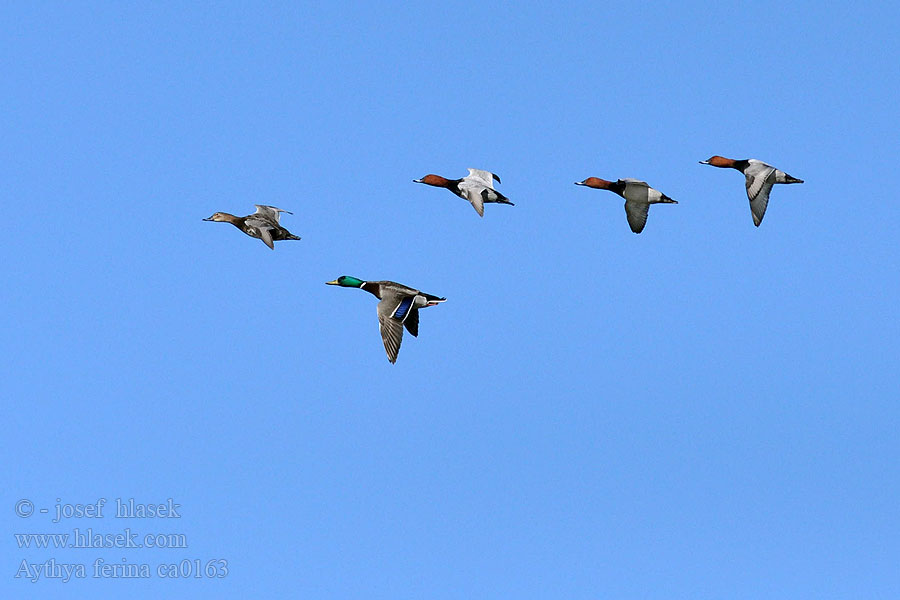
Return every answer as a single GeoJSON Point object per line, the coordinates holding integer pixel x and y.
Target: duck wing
{"type": "Point", "coordinates": [759, 185]}
{"type": "Point", "coordinates": [484, 177]}
{"type": "Point", "coordinates": [263, 229]}
{"type": "Point", "coordinates": [270, 212]}
{"type": "Point", "coordinates": [472, 191]}
{"type": "Point", "coordinates": [393, 310]}
{"type": "Point", "coordinates": [637, 213]}
{"type": "Point", "coordinates": [635, 190]}
{"type": "Point", "coordinates": [266, 236]}
{"type": "Point", "coordinates": [412, 322]}
{"type": "Point", "coordinates": [476, 197]}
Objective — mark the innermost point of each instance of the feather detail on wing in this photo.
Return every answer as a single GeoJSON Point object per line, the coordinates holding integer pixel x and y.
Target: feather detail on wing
{"type": "Point", "coordinates": [484, 177]}
{"type": "Point", "coordinates": [412, 322]}
{"type": "Point", "coordinates": [637, 214]}
{"type": "Point", "coordinates": [475, 197]}
{"type": "Point", "coordinates": [758, 188]}
{"type": "Point", "coordinates": [266, 236]}
{"type": "Point", "coordinates": [391, 328]}
{"type": "Point", "coordinates": [270, 212]}
{"type": "Point", "coordinates": [263, 229]}
{"type": "Point", "coordinates": [402, 309]}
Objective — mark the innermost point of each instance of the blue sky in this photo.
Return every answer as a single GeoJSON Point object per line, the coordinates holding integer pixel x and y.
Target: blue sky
{"type": "Point", "coordinates": [706, 410]}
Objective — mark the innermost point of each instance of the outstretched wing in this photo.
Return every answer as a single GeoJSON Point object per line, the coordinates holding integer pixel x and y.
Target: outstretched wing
{"type": "Point", "coordinates": [472, 191]}
{"type": "Point", "coordinates": [403, 308]}
{"type": "Point", "coordinates": [758, 188]}
{"type": "Point", "coordinates": [412, 322]}
{"type": "Point", "coordinates": [391, 326]}
{"type": "Point", "coordinates": [270, 212]}
{"type": "Point", "coordinates": [637, 214]}
{"type": "Point", "coordinates": [266, 236]}
{"type": "Point", "coordinates": [263, 228]}
{"type": "Point", "coordinates": [635, 190]}
{"type": "Point", "coordinates": [476, 197]}
{"type": "Point", "coordinates": [485, 177]}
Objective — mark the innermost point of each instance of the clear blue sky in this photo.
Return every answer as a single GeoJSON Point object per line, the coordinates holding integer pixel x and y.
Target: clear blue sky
{"type": "Point", "coordinates": [706, 410]}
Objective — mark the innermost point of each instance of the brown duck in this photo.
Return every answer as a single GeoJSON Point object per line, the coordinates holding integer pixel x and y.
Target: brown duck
{"type": "Point", "coordinates": [263, 224]}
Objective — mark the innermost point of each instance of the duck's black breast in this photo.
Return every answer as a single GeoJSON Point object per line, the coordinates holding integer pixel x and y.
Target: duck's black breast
{"type": "Point", "coordinates": [454, 187]}
{"type": "Point", "coordinates": [373, 287]}
{"type": "Point", "coordinates": [618, 187]}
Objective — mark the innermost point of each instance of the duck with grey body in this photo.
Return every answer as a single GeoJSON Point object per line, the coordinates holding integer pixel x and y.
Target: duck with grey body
{"type": "Point", "coordinates": [477, 187]}
{"type": "Point", "coordinates": [263, 224]}
{"type": "Point", "coordinates": [760, 178]}
{"type": "Point", "coordinates": [638, 198]}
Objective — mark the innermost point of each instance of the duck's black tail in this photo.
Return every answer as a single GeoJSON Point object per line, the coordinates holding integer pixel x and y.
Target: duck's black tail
{"type": "Point", "coordinates": [501, 199]}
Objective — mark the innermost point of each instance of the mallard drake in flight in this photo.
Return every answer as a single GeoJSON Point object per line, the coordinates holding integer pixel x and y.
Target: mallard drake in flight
{"type": "Point", "coordinates": [263, 224]}
{"type": "Point", "coordinates": [638, 197]}
{"type": "Point", "coordinates": [760, 179]}
{"type": "Point", "coordinates": [477, 188]}
{"type": "Point", "coordinates": [399, 308]}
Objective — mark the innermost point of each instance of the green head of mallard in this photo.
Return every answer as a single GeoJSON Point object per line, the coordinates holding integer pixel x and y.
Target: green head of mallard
{"type": "Point", "coordinates": [346, 281]}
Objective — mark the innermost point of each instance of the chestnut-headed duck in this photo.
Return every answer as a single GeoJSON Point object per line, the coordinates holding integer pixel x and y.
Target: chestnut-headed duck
{"type": "Point", "coordinates": [760, 179]}
{"type": "Point", "coordinates": [263, 224]}
{"type": "Point", "coordinates": [477, 188]}
{"type": "Point", "coordinates": [638, 197]}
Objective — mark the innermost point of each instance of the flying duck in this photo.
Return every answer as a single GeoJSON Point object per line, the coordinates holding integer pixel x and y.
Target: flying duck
{"type": "Point", "coordinates": [760, 179]}
{"type": "Point", "coordinates": [638, 197]}
{"type": "Point", "coordinates": [399, 308]}
{"type": "Point", "coordinates": [263, 224]}
{"type": "Point", "coordinates": [477, 187]}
